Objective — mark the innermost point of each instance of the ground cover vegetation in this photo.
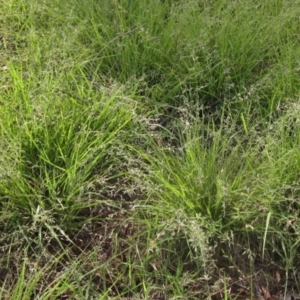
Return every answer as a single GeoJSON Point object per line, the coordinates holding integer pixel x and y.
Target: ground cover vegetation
{"type": "Point", "coordinates": [149, 149]}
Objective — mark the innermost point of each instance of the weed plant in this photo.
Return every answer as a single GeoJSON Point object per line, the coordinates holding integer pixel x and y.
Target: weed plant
{"type": "Point", "coordinates": [149, 150]}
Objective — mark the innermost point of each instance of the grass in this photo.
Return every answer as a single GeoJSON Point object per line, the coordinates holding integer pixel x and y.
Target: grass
{"type": "Point", "coordinates": [149, 150]}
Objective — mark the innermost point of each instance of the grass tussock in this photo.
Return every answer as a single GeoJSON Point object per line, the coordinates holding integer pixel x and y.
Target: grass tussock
{"type": "Point", "coordinates": [149, 150]}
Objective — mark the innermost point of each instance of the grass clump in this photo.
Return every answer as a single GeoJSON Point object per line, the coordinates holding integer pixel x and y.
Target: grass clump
{"type": "Point", "coordinates": [149, 150]}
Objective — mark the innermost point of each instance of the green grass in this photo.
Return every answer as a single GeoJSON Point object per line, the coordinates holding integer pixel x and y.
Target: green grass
{"type": "Point", "coordinates": [148, 150]}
